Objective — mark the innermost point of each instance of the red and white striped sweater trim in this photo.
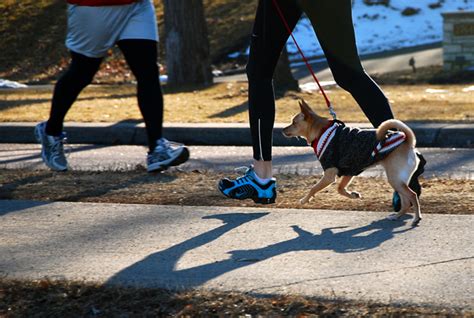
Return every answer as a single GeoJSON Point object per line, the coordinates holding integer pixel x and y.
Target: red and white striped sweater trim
{"type": "Point", "coordinates": [391, 142]}
{"type": "Point", "coordinates": [320, 145]}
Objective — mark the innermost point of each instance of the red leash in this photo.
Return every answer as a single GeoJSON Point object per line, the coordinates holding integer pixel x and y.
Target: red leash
{"type": "Point", "coordinates": [290, 33]}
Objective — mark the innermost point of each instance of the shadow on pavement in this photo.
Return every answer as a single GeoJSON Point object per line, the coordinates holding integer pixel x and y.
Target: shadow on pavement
{"type": "Point", "coordinates": [7, 206]}
{"type": "Point", "coordinates": [160, 268]}
{"type": "Point", "coordinates": [229, 112]}
{"type": "Point", "coordinates": [38, 154]}
{"type": "Point", "coordinates": [8, 104]}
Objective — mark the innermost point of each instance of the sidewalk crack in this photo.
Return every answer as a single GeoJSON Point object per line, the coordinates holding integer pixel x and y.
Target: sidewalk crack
{"type": "Point", "coordinates": [364, 273]}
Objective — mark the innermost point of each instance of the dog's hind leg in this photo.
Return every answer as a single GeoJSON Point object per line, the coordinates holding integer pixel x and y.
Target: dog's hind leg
{"type": "Point", "coordinates": [342, 188]}
{"type": "Point", "coordinates": [399, 171]}
{"type": "Point", "coordinates": [411, 199]}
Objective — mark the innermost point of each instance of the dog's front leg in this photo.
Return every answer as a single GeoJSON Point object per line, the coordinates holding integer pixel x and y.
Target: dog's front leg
{"type": "Point", "coordinates": [342, 188]}
{"type": "Point", "coordinates": [328, 178]}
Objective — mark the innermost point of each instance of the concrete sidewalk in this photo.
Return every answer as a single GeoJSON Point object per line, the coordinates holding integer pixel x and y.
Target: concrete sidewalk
{"type": "Point", "coordinates": [334, 254]}
{"type": "Point", "coordinates": [127, 133]}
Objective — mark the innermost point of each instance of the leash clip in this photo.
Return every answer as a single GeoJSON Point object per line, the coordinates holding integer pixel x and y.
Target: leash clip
{"type": "Point", "coordinates": [332, 112]}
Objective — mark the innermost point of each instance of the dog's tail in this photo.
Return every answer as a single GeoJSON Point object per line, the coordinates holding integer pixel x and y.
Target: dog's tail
{"type": "Point", "coordinates": [398, 125]}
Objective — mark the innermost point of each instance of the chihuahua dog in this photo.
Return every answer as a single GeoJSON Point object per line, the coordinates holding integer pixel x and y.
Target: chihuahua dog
{"type": "Point", "coordinates": [346, 152]}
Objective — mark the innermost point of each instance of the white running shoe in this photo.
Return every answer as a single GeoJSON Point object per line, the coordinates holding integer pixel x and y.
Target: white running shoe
{"type": "Point", "coordinates": [166, 154]}
{"type": "Point", "coordinates": [52, 151]}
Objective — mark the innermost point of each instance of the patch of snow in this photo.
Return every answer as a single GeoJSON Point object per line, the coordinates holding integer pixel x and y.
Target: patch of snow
{"type": "Point", "coordinates": [379, 28]}
{"type": "Point", "coordinates": [468, 89]}
{"type": "Point", "coordinates": [11, 84]}
{"type": "Point", "coordinates": [313, 87]}
{"type": "Point", "coordinates": [217, 73]}
{"type": "Point", "coordinates": [435, 91]}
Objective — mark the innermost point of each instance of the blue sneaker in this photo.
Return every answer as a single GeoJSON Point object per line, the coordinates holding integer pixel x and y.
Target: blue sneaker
{"type": "Point", "coordinates": [247, 187]}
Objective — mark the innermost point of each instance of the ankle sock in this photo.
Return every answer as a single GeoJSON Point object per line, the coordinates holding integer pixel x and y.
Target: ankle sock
{"type": "Point", "coordinates": [260, 180]}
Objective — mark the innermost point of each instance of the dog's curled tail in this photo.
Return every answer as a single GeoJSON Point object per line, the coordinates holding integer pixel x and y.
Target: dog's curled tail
{"type": "Point", "coordinates": [398, 125]}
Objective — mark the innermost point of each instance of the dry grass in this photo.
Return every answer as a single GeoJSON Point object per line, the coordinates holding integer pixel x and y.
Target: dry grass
{"type": "Point", "coordinates": [228, 103]}
{"type": "Point", "coordinates": [45, 298]}
{"type": "Point", "coordinates": [200, 189]}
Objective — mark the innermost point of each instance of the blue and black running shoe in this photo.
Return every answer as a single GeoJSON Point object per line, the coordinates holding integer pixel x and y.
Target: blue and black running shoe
{"type": "Point", "coordinates": [247, 187]}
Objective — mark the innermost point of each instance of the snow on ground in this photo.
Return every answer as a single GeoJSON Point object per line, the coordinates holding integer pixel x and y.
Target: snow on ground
{"type": "Point", "coordinates": [379, 28]}
{"type": "Point", "coordinates": [11, 84]}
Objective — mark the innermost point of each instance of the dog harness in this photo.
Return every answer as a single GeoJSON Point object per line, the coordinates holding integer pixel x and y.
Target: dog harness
{"type": "Point", "coordinates": [352, 150]}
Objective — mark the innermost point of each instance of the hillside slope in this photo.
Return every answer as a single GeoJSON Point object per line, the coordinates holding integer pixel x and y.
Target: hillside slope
{"type": "Point", "coordinates": [33, 33]}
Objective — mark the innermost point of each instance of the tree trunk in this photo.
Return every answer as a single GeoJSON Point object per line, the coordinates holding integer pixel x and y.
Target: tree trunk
{"type": "Point", "coordinates": [187, 44]}
{"type": "Point", "coordinates": [283, 79]}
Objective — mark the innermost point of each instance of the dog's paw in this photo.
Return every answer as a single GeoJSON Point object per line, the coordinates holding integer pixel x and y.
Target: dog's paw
{"type": "Point", "coordinates": [416, 222]}
{"type": "Point", "coordinates": [304, 200]}
{"type": "Point", "coordinates": [355, 195]}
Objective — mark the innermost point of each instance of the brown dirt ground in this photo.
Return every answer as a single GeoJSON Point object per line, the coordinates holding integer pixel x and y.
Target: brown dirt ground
{"type": "Point", "coordinates": [228, 103]}
{"type": "Point", "coordinates": [199, 188]}
{"type": "Point", "coordinates": [46, 298]}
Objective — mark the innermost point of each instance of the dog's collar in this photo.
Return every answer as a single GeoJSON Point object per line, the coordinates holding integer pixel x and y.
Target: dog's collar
{"type": "Point", "coordinates": [320, 144]}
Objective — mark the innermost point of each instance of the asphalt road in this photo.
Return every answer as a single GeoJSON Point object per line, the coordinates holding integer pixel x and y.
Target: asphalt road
{"type": "Point", "coordinates": [380, 63]}
{"type": "Point", "coordinates": [442, 162]}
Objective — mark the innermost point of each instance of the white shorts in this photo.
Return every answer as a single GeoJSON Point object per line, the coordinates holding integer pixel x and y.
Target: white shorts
{"type": "Point", "coordinates": [92, 31]}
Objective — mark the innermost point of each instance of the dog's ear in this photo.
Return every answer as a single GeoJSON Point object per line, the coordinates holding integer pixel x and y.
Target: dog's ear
{"type": "Point", "coordinates": [305, 109]}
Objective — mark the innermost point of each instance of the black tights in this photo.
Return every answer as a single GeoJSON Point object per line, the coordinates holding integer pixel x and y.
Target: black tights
{"type": "Point", "coordinates": [141, 56]}
{"type": "Point", "coordinates": [332, 22]}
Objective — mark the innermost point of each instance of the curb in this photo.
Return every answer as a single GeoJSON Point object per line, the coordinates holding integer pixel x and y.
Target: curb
{"type": "Point", "coordinates": [128, 133]}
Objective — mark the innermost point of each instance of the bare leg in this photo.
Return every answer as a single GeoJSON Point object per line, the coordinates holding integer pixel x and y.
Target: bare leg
{"type": "Point", "coordinates": [263, 169]}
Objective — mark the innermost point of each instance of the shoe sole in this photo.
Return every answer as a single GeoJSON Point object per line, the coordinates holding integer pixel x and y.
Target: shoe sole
{"type": "Point", "coordinates": [264, 200]}
{"type": "Point", "coordinates": [180, 159]}
{"type": "Point", "coordinates": [257, 200]}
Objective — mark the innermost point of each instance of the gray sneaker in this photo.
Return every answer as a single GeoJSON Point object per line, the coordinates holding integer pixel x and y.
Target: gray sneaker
{"type": "Point", "coordinates": [166, 154]}
{"type": "Point", "coordinates": [52, 150]}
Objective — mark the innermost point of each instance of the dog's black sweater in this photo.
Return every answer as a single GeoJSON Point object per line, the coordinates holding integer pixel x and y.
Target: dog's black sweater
{"type": "Point", "coordinates": [352, 150]}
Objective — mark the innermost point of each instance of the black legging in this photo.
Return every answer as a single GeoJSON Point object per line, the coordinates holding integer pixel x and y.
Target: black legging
{"type": "Point", "coordinates": [332, 22]}
{"type": "Point", "coordinates": [141, 56]}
